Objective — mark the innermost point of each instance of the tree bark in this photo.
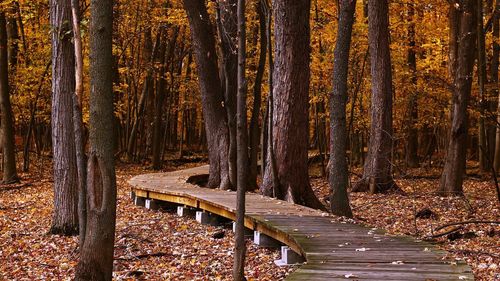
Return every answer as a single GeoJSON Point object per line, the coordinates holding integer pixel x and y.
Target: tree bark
{"type": "Point", "coordinates": [212, 100]}
{"type": "Point", "coordinates": [290, 124]}
{"type": "Point", "coordinates": [462, 19]}
{"type": "Point", "coordinates": [254, 131]}
{"type": "Point", "coordinates": [242, 149]}
{"type": "Point", "coordinates": [65, 216]}
{"type": "Point", "coordinates": [96, 255]}
{"type": "Point", "coordinates": [482, 80]}
{"type": "Point", "coordinates": [494, 79]}
{"type": "Point", "coordinates": [13, 38]}
{"type": "Point", "coordinates": [227, 28]}
{"type": "Point", "coordinates": [6, 126]}
{"type": "Point", "coordinates": [81, 160]}
{"type": "Point", "coordinates": [338, 169]}
{"type": "Point", "coordinates": [377, 172]}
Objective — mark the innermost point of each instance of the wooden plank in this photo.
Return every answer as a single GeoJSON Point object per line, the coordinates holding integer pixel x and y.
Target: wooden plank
{"type": "Point", "coordinates": [333, 249]}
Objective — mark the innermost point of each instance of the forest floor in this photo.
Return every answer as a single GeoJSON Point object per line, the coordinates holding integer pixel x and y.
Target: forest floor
{"type": "Point", "coordinates": [161, 246]}
{"type": "Point", "coordinates": [149, 245]}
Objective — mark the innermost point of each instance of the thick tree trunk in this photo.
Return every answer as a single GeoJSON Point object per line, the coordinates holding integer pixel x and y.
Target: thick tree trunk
{"type": "Point", "coordinates": [377, 172]}
{"type": "Point", "coordinates": [242, 149]}
{"type": "Point", "coordinates": [6, 126]}
{"type": "Point", "coordinates": [412, 109]}
{"type": "Point", "coordinates": [65, 216]}
{"type": "Point", "coordinates": [254, 131]}
{"type": "Point", "coordinates": [338, 170]}
{"type": "Point", "coordinates": [290, 124]}
{"type": "Point", "coordinates": [227, 28]}
{"type": "Point", "coordinates": [462, 19]}
{"type": "Point", "coordinates": [212, 100]}
{"type": "Point", "coordinates": [96, 255]}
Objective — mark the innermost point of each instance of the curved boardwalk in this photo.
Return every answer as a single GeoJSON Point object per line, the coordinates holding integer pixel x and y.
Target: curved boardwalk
{"type": "Point", "coordinates": [334, 250]}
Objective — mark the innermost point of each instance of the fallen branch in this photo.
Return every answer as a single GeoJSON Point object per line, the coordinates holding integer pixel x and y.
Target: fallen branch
{"type": "Point", "coordinates": [470, 252]}
{"type": "Point", "coordinates": [455, 229]}
{"type": "Point", "coordinates": [7, 187]}
{"type": "Point", "coordinates": [466, 222]}
{"type": "Point", "coordinates": [142, 256]}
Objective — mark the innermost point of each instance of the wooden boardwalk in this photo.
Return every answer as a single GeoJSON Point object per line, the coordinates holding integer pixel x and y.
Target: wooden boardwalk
{"type": "Point", "coordinates": [334, 250]}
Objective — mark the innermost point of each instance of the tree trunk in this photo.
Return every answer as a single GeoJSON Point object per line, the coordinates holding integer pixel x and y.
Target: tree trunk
{"type": "Point", "coordinates": [96, 255]}
{"type": "Point", "coordinates": [242, 149]}
{"type": "Point", "coordinates": [482, 81]}
{"type": "Point", "coordinates": [377, 172]}
{"type": "Point", "coordinates": [494, 79]}
{"type": "Point", "coordinates": [462, 19]}
{"type": "Point", "coordinates": [412, 109]}
{"type": "Point", "coordinates": [78, 122]}
{"type": "Point", "coordinates": [338, 170]}
{"type": "Point", "coordinates": [6, 126]}
{"type": "Point", "coordinates": [254, 131]}
{"type": "Point", "coordinates": [227, 28]}
{"type": "Point", "coordinates": [160, 96]}
{"type": "Point", "coordinates": [13, 38]}
{"type": "Point", "coordinates": [65, 216]}
{"type": "Point", "coordinates": [150, 55]}
{"type": "Point", "coordinates": [212, 100]}
{"type": "Point", "coordinates": [290, 124]}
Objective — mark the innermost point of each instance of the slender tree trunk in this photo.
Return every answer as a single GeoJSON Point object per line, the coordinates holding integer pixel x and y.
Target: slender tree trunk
{"type": "Point", "coordinates": [267, 122]}
{"type": "Point", "coordinates": [254, 131]}
{"type": "Point", "coordinates": [291, 102]}
{"type": "Point", "coordinates": [147, 87]}
{"type": "Point", "coordinates": [160, 97]}
{"type": "Point", "coordinates": [377, 172]}
{"type": "Point", "coordinates": [338, 169]}
{"type": "Point", "coordinates": [65, 217]}
{"type": "Point", "coordinates": [482, 81]}
{"type": "Point", "coordinates": [13, 38]}
{"type": "Point", "coordinates": [494, 79]}
{"type": "Point", "coordinates": [462, 18]}
{"type": "Point", "coordinates": [216, 127]}
{"type": "Point", "coordinates": [242, 149]}
{"type": "Point", "coordinates": [6, 126]}
{"type": "Point", "coordinates": [412, 109]}
{"type": "Point", "coordinates": [31, 126]}
{"type": "Point", "coordinates": [96, 255]}
{"type": "Point", "coordinates": [81, 161]}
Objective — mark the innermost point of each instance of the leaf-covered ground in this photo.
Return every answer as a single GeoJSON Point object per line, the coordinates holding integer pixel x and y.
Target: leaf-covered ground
{"type": "Point", "coordinates": [161, 246]}
{"type": "Point", "coordinates": [477, 244]}
{"type": "Point", "coordinates": [149, 245]}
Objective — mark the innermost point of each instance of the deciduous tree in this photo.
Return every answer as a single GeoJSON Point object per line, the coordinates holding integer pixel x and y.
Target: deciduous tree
{"type": "Point", "coordinates": [462, 46]}
{"type": "Point", "coordinates": [65, 216]}
{"type": "Point", "coordinates": [291, 103]}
